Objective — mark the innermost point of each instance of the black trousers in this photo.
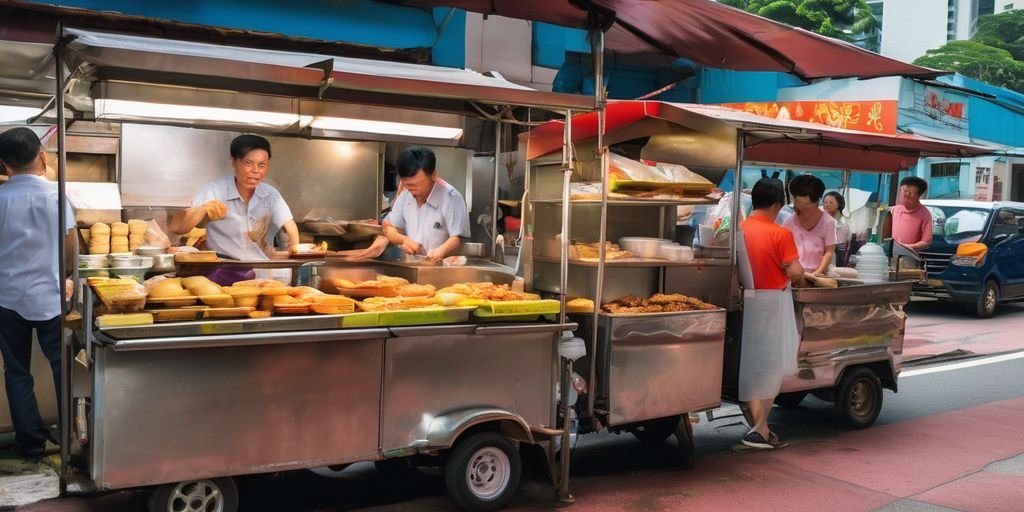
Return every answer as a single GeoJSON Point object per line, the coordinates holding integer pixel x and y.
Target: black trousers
{"type": "Point", "coordinates": [16, 345]}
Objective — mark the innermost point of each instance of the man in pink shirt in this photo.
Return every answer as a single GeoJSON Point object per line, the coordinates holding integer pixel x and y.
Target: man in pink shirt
{"type": "Point", "coordinates": [911, 221]}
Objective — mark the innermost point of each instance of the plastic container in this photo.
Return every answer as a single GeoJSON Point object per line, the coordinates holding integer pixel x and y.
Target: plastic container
{"type": "Point", "coordinates": [643, 247]}
{"type": "Point", "coordinates": [675, 253]}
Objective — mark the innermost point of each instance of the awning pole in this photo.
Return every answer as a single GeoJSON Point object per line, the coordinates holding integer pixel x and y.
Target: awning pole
{"type": "Point", "coordinates": [62, 213]}
{"type": "Point", "coordinates": [494, 197]}
{"type": "Point", "coordinates": [565, 454]}
{"type": "Point", "coordinates": [737, 199]}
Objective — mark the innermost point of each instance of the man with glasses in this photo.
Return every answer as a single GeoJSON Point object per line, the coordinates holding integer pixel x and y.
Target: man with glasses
{"type": "Point", "coordinates": [243, 214]}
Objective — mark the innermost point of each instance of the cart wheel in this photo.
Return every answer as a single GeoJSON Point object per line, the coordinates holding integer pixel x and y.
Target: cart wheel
{"type": "Point", "coordinates": [987, 301]}
{"type": "Point", "coordinates": [684, 436]}
{"type": "Point", "coordinates": [858, 398]}
{"type": "Point", "coordinates": [216, 495]}
{"type": "Point", "coordinates": [656, 431]}
{"type": "Point", "coordinates": [483, 472]}
{"type": "Point", "coordinates": [790, 400]}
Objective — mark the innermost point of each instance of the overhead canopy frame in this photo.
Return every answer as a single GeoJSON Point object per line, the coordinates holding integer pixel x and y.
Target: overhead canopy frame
{"type": "Point", "coordinates": [706, 135]}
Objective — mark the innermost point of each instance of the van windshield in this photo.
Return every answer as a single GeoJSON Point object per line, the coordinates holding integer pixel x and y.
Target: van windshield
{"type": "Point", "coordinates": [958, 224]}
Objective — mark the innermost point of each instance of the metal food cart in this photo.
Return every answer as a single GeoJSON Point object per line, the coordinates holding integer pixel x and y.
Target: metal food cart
{"type": "Point", "coordinates": [852, 336]}
{"type": "Point", "coordinates": [185, 406]}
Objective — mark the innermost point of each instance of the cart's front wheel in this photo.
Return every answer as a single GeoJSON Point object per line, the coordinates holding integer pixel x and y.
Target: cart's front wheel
{"type": "Point", "coordinates": [483, 472]}
{"type": "Point", "coordinates": [215, 495]}
{"type": "Point", "coordinates": [858, 398]}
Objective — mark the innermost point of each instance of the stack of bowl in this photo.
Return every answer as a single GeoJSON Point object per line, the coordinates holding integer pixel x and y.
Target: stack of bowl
{"type": "Point", "coordinates": [872, 265]}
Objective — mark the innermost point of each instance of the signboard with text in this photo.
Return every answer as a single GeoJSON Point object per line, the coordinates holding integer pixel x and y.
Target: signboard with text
{"type": "Point", "coordinates": [872, 116]}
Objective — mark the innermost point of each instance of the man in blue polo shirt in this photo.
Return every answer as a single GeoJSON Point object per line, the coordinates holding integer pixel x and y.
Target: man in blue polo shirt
{"type": "Point", "coordinates": [32, 297]}
{"type": "Point", "coordinates": [429, 217]}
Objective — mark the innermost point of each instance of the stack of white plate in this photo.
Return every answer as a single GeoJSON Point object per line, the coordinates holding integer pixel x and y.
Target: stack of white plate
{"type": "Point", "coordinates": [872, 265]}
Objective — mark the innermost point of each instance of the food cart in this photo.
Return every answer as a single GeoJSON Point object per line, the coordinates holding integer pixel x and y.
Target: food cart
{"type": "Point", "coordinates": [184, 406]}
{"type": "Point", "coordinates": [648, 371]}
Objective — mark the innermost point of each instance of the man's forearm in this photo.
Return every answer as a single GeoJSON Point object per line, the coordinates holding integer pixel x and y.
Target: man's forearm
{"type": "Point", "coordinates": [183, 221]}
{"type": "Point", "coordinates": [449, 246]}
{"type": "Point", "coordinates": [394, 235]}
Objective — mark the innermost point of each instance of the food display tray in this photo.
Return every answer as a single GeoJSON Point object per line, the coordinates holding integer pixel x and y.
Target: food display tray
{"type": "Point", "coordinates": [426, 316]}
{"type": "Point", "coordinates": [243, 326]}
{"type": "Point", "coordinates": [514, 308]}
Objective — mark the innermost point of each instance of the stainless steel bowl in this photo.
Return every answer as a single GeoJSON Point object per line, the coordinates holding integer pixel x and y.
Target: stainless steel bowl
{"type": "Point", "coordinates": [163, 263]}
{"type": "Point", "coordinates": [93, 261]}
{"type": "Point", "coordinates": [471, 249]}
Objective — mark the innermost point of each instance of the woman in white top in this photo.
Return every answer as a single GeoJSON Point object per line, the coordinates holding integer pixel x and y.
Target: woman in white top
{"type": "Point", "coordinates": [243, 213]}
{"type": "Point", "coordinates": [834, 204]}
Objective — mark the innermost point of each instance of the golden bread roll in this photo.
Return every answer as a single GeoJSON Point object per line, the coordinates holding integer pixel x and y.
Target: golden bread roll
{"type": "Point", "coordinates": [118, 249]}
{"type": "Point", "coordinates": [259, 314]}
{"type": "Point", "coordinates": [169, 288]}
{"type": "Point", "coordinates": [241, 291]}
{"type": "Point", "coordinates": [99, 229]}
{"type": "Point", "coordinates": [118, 239]}
{"type": "Point", "coordinates": [136, 239]}
{"type": "Point", "coordinates": [192, 281]}
{"type": "Point", "coordinates": [136, 227]}
{"type": "Point", "coordinates": [305, 292]}
{"type": "Point", "coordinates": [99, 249]}
{"type": "Point", "coordinates": [118, 229]}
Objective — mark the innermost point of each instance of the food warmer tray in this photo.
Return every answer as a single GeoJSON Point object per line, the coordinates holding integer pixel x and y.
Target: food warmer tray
{"type": "Point", "coordinates": [242, 326]}
{"type": "Point", "coordinates": [880, 293]}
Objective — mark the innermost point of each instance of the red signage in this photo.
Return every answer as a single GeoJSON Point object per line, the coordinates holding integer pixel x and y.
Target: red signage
{"type": "Point", "coordinates": [873, 116]}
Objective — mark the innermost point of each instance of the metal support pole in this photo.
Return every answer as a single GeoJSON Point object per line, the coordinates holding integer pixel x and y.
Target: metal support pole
{"type": "Point", "coordinates": [737, 193]}
{"type": "Point", "coordinates": [597, 49]}
{"type": "Point", "coordinates": [568, 159]}
{"type": "Point", "coordinates": [66, 356]}
{"type": "Point", "coordinates": [494, 197]}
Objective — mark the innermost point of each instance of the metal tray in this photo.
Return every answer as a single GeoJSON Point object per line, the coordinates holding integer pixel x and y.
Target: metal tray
{"type": "Point", "coordinates": [238, 326]}
{"type": "Point", "coordinates": [879, 293]}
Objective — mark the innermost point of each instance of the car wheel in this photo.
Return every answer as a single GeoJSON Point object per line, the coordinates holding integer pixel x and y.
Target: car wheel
{"type": "Point", "coordinates": [858, 398]}
{"type": "Point", "coordinates": [214, 495]}
{"type": "Point", "coordinates": [987, 301]}
{"type": "Point", "coordinates": [482, 473]}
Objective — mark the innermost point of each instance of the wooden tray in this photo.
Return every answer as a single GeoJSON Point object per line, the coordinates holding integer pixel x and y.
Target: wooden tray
{"type": "Point", "coordinates": [173, 302]}
{"type": "Point", "coordinates": [362, 293]}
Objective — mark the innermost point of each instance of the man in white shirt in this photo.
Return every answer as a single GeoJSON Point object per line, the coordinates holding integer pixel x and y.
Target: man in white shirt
{"type": "Point", "coordinates": [32, 297]}
{"type": "Point", "coordinates": [429, 217]}
{"type": "Point", "coordinates": [243, 213]}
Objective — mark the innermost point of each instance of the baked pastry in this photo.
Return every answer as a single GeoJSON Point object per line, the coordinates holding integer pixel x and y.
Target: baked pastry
{"type": "Point", "coordinates": [119, 229]}
{"type": "Point", "coordinates": [136, 227]}
{"type": "Point", "coordinates": [168, 288]}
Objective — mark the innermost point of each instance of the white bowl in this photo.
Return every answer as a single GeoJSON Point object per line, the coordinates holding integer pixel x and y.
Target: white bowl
{"type": "Point", "coordinates": [676, 253]}
{"type": "Point", "coordinates": [642, 246]}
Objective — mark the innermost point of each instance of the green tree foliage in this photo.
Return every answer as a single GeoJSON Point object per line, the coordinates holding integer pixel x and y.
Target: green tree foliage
{"type": "Point", "coordinates": [991, 65]}
{"type": "Point", "coordinates": [842, 19]}
{"type": "Point", "coordinates": [994, 55]}
{"type": "Point", "coordinates": [1004, 30]}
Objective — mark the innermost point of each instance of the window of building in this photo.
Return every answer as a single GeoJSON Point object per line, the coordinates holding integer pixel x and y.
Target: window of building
{"type": "Point", "coordinates": [947, 170]}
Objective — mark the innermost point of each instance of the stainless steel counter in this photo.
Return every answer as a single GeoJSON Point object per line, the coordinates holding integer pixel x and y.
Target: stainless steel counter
{"type": "Point", "coordinates": [662, 364]}
{"type": "Point", "coordinates": [271, 397]}
{"type": "Point", "coordinates": [475, 270]}
{"type": "Point", "coordinates": [845, 326]}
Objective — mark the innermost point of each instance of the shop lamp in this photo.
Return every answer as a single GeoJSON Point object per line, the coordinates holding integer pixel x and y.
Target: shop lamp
{"type": "Point", "coordinates": [344, 124]}
{"type": "Point", "coordinates": [347, 120]}
{"type": "Point", "coordinates": [125, 110]}
{"type": "Point", "coordinates": [139, 102]}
